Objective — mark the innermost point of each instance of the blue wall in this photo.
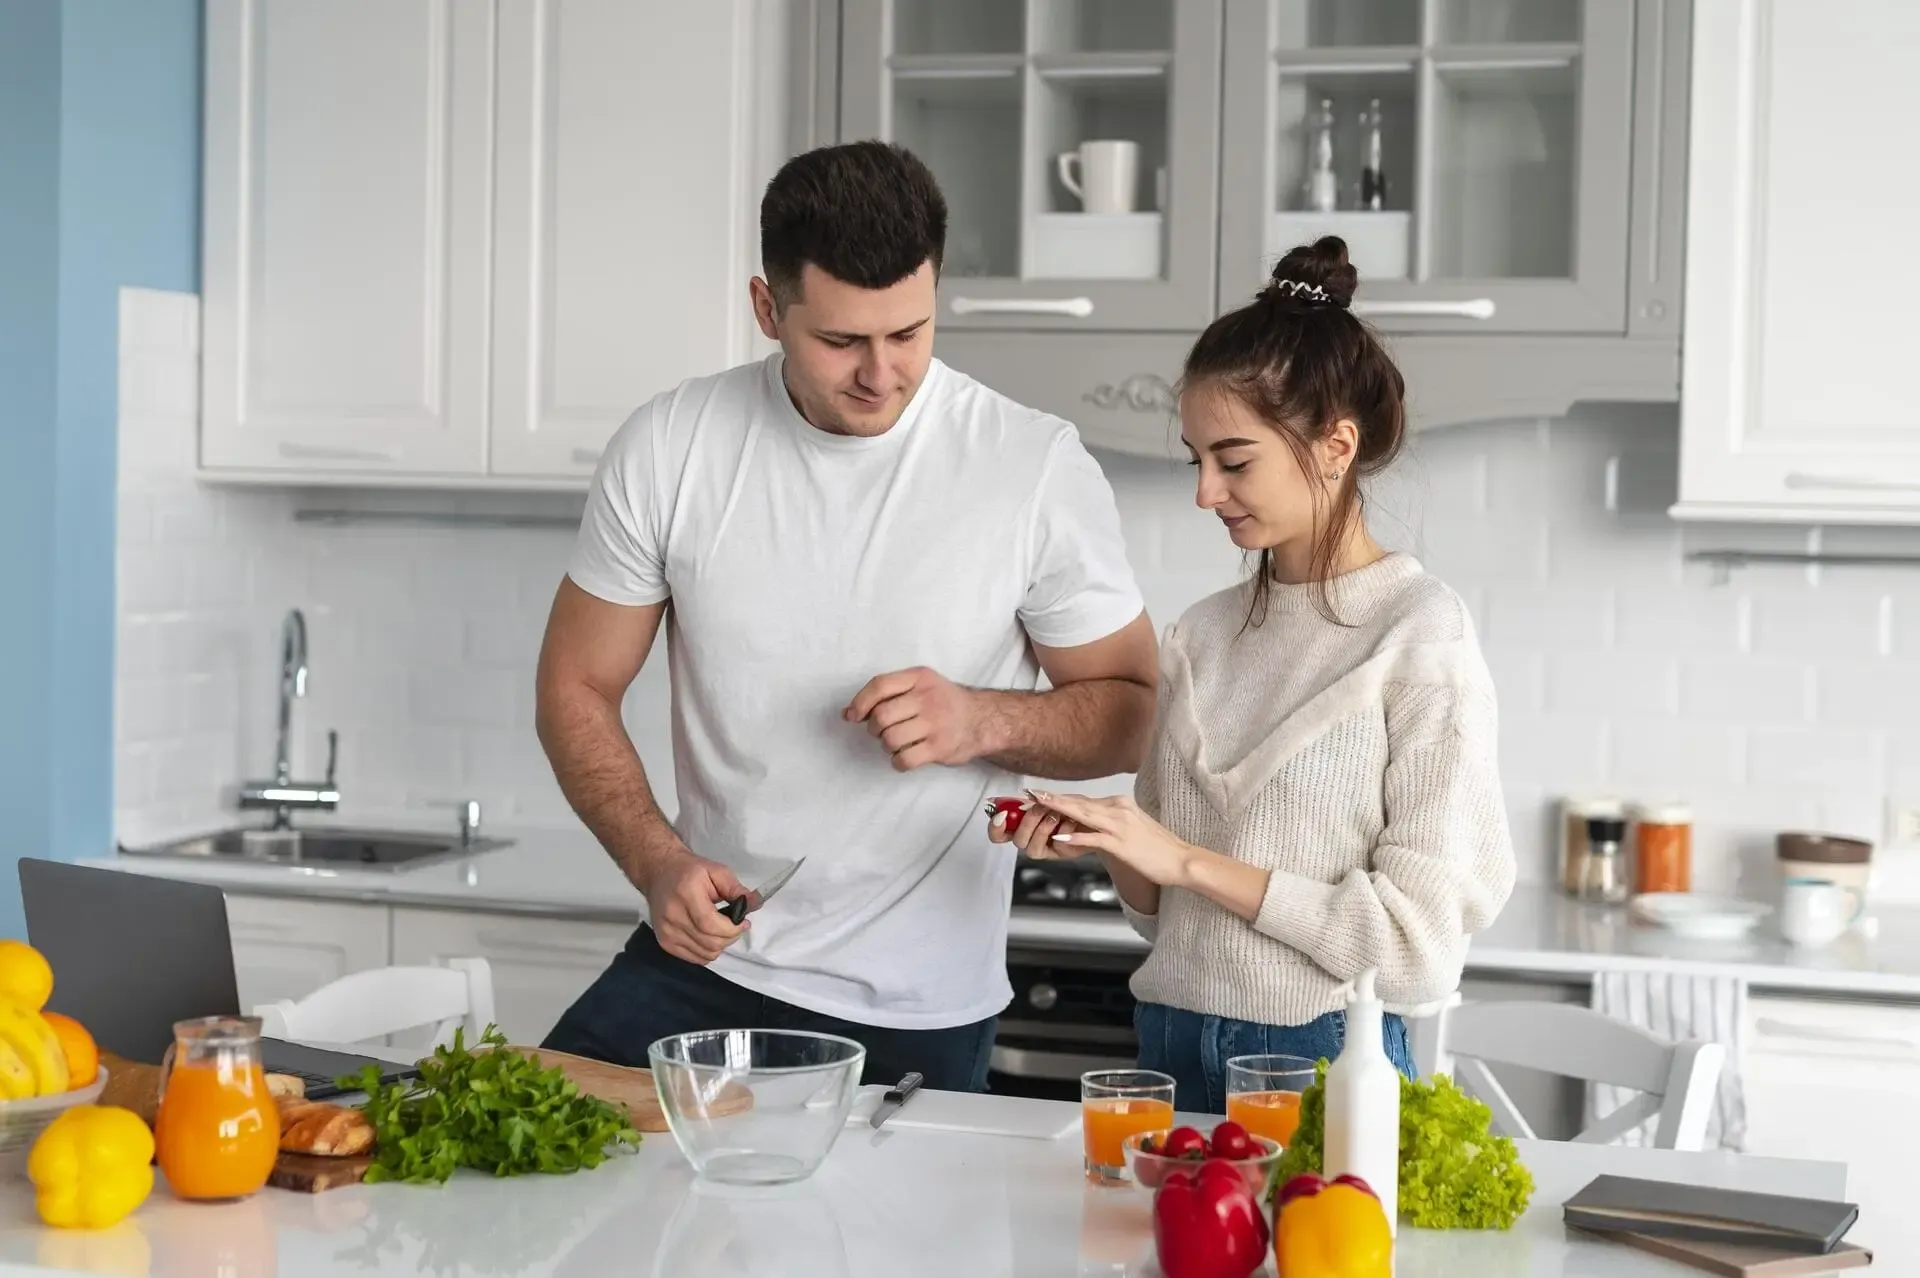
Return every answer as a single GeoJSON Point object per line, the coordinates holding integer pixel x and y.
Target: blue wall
{"type": "Point", "coordinates": [29, 300]}
{"type": "Point", "coordinates": [100, 110]}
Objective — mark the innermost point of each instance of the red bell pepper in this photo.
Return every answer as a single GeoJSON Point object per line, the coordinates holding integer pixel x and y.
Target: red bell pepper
{"type": "Point", "coordinates": [1208, 1224]}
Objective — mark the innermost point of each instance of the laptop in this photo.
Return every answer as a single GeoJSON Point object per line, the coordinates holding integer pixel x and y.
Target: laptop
{"type": "Point", "coordinates": [133, 953]}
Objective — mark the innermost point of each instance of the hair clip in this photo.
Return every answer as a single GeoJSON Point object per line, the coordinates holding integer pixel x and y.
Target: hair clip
{"type": "Point", "coordinates": [1301, 289]}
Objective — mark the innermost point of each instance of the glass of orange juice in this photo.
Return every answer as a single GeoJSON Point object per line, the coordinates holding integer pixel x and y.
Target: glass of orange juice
{"type": "Point", "coordinates": [217, 1131]}
{"type": "Point", "coordinates": [1263, 1093]}
{"type": "Point", "coordinates": [1114, 1104]}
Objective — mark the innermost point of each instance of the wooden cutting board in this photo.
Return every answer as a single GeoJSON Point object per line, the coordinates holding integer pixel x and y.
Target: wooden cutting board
{"type": "Point", "coordinates": [316, 1173]}
{"type": "Point", "coordinates": [633, 1089]}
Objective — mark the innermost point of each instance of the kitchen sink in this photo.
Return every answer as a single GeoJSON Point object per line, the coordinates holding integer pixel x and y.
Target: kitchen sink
{"type": "Point", "coordinates": [330, 846]}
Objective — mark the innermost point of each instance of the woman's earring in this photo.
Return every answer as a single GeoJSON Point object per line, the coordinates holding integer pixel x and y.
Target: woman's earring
{"type": "Point", "coordinates": [1334, 475]}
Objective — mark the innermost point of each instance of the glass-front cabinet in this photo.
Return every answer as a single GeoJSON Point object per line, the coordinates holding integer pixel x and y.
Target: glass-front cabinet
{"type": "Point", "coordinates": [1474, 154]}
{"type": "Point", "coordinates": [1077, 143]}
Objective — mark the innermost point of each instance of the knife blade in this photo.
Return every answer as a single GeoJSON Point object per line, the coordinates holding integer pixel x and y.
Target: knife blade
{"type": "Point", "coordinates": [736, 909]}
{"type": "Point", "coordinates": [896, 1097]}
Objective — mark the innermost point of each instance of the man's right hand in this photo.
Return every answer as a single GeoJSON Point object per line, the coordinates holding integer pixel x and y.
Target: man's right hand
{"type": "Point", "coordinates": [684, 893]}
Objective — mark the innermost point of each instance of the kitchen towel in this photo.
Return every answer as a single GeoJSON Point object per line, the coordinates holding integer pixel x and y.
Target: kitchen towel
{"type": "Point", "coordinates": [1677, 1007]}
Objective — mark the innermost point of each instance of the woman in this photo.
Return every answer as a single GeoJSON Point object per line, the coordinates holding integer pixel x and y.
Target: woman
{"type": "Point", "coordinates": [1322, 794]}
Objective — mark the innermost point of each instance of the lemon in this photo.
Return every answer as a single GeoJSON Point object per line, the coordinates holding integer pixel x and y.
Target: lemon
{"type": "Point", "coordinates": [25, 975]}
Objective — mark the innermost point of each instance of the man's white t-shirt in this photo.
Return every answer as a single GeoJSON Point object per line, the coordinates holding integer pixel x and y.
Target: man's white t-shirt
{"type": "Point", "coordinates": [801, 564]}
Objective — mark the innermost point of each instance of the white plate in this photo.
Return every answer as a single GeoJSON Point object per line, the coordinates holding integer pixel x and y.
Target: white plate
{"type": "Point", "coordinates": [1711, 918]}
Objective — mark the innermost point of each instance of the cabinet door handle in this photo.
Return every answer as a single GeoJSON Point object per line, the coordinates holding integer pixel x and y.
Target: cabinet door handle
{"type": "Point", "coordinates": [1074, 307]}
{"type": "Point", "coordinates": [1767, 1026]}
{"type": "Point", "coordinates": [586, 456]}
{"type": "Point", "coordinates": [334, 452]}
{"type": "Point", "coordinates": [1479, 308]}
{"type": "Point", "coordinates": [1800, 479]}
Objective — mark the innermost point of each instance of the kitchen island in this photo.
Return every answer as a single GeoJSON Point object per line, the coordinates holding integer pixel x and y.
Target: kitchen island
{"type": "Point", "coordinates": [896, 1202]}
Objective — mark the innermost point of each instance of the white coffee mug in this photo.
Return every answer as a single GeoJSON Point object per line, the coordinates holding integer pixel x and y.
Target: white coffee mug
{"type": "Point", "coordinates": [1104, 174]}
{"type": "Point", "coordinates": [1816, 911]}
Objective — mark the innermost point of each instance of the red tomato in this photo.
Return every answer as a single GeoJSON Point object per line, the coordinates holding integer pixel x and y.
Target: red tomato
{"type": "Point", "coordinates": [1230, 1140]}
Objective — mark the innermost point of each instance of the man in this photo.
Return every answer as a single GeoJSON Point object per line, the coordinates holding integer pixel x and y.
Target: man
{"type": "Point", "coordinates": [870, 558]}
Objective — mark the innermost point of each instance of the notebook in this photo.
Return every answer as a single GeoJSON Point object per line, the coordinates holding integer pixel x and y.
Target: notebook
{"type": "Point", "coordinates": [1739, 1260]}
{"type": "Point", "coordinates": [1665, 1209]}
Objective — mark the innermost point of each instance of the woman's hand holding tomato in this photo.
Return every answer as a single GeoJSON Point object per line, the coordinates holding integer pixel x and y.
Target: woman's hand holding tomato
{"type": "Point", "coordinates": [1031, 829]}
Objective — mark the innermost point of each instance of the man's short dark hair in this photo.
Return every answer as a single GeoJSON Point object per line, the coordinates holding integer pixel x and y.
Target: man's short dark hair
{"type": "Point", "coordinates": [866, 213]}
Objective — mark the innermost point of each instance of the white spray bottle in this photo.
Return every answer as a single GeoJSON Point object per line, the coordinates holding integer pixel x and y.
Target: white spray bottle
{"type": "Point", "coordinates": [1363, 1103]}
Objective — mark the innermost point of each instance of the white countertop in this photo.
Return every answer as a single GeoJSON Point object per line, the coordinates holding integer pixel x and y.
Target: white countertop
{"type": "Point", "coordinates": [564, 873]}
{"type": "Point", "coordinates": [905, 1201]}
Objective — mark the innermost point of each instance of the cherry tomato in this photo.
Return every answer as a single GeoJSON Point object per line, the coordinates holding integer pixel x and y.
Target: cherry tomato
{"type": "Point", "coordinates": [1012, 809]}
{"type": "Point", "coordinates": [1184, 1142]}
{"type": "Point", "coordinates": [1230, 1140]}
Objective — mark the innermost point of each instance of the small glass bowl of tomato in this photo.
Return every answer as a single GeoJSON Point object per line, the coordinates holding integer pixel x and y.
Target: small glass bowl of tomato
{"type": "Point", "coordinates": [1153, 1156]}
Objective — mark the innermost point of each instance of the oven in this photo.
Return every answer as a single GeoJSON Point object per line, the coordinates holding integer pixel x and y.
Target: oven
{"type": "Point", "coordinates": [1072, 1010]}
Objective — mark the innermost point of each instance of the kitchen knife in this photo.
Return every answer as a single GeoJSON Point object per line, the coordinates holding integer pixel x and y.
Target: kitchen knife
{"type": "Point", "coordinates": [896, 1097]}
{"type": "Point", "coordinates": [736, 909]}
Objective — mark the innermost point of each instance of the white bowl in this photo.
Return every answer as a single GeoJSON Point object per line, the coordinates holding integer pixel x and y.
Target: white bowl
{"type": "Point", "coordinates": [1706, 918]}
{"type": "Point", "coordinates": [22, 1121]}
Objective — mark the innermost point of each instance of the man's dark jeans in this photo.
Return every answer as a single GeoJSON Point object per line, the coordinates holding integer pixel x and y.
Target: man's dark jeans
{"type": "Point", "coordinates": [647, 994]}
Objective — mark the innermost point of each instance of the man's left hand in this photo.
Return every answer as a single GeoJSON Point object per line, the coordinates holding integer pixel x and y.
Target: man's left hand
{"type": "Point", "coordinates": [921, 717]}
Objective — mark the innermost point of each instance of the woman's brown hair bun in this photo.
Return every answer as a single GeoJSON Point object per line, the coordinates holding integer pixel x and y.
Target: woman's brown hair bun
{"type": "Point", "coordinates": [1316, 273]}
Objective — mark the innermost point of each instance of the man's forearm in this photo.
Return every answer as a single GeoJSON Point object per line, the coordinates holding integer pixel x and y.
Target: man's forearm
{"type": "Point", "coordinates": [603, 779]}
{"type": "Point", "coordinates": [1090, 728]}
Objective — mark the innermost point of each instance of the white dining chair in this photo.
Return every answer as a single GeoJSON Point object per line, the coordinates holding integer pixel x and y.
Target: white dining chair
{"type": "Point", "coordinates": [366, 1007]}
{"type": "Point", "coordinates": [1677, 1081]}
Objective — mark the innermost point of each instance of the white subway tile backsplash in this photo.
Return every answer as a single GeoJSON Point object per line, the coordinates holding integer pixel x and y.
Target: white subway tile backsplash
{"type": "Point", "coordinates": [1756, 691]}
{"type": "Point", "coordinates": [1776, 697]}
{"type": "Point", "coordinates": [1549, 618]}
{"type": "Point", "coordinates": [1822, 625]}
{"type": "Point", "coordinates": [1656, 758]}
{"type": "Point", "coordinates": [1604, 683]}
{"type": "Point", "coordinates": [1817, 758]}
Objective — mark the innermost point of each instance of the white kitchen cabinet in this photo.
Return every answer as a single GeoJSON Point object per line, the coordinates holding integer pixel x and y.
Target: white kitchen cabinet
{"type": "Point", "coordinates": [454, 243]}
{"type": "Point", "coordinates": [623, 179]}
{"type": "Point", "coordinates": [1796, 403]}
{"type": "Point", "coordinates": [345, 222]}
{"type": "Point", "coordinates": [539, 965]}
{"type": "Point", "coordinates": [287, 948]}
{"type": "Point", "coordinates": [1837, 1081]}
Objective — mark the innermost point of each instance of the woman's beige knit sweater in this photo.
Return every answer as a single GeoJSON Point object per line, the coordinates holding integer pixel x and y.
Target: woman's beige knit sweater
{"type": "Point", "coordinates": [1356, 764]}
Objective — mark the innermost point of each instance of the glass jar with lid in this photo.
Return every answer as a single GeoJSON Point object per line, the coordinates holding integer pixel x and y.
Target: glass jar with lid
{"type": "Point", "coordinates": [1663, 847]}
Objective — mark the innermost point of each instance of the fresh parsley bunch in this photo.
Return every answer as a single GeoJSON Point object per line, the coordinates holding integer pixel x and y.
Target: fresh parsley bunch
{"type": "Point", "coordinates": [493, 1110]}
{"type": "Point", "coordinates": [1454, 1172]}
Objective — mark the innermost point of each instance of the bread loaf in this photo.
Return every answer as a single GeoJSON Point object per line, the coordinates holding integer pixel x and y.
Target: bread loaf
{"type": "Point", "coordinates": [285, 1086]}
{"type": "Point", "coordinates": [315, 1127]}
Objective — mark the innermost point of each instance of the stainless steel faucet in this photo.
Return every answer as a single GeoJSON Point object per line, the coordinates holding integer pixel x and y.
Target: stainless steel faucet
{"type": "Point", "coordinates": [293, 683]}
{"type": "Point", "coordinates": [283, 794]}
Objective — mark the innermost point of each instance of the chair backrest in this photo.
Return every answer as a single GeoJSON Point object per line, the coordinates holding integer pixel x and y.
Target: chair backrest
{"type": "Point", "coordinates": [365, 1007]}
{"type": "Point", "coordinates": [1677, 1081]}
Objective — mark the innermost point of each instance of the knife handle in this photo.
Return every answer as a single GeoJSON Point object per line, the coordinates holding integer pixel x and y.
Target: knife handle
{"type": "Point", "coordinates": [905, 1088]}
{"type": "Point", "coordinates": [735, 910]}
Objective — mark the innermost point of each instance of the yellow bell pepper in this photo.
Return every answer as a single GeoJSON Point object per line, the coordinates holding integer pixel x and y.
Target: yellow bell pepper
{"type": "Point", "coordinates": [91, 1167]}
{"type": "Point", "coordinates": [1331, 1231]}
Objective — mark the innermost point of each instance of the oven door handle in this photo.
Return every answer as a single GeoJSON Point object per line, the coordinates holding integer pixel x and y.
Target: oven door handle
{"type": "Point", "coordinates": [1025, 1062]}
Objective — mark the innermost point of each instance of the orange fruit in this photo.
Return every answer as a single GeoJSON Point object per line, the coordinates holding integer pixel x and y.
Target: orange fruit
{"type": "Point", "coordinates": [82, 1053]}
{"type": "Point", "coordinates": [25, 975]}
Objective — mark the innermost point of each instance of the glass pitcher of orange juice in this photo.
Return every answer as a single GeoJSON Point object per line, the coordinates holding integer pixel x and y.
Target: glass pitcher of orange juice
{"type": "Point", "coordinates": [217, 1132]}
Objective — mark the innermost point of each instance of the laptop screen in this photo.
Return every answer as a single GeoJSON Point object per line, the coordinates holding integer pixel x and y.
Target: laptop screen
{"type": "Point", "coordinates": [131, 953]}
